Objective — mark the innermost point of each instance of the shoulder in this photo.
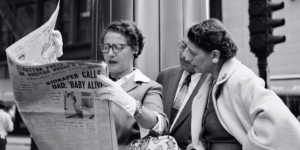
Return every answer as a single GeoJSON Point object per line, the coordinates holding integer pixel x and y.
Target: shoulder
{"type": "Point", "coordinates": [245, 83]}
{"type": "Point", "coordinates": [234, 72]}
{"type": "Point", "coordinates": [146, 82]}
{"type": "Point", "coordinates": [152, 85]}
{"type": "Point", "coordinates": [165, 74]}
{"type": "Point", "coordinates": [243, 75]}
{"type": "Point", "coordinates": [172, 69]}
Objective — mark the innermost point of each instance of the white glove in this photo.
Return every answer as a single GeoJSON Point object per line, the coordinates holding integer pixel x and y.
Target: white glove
{"type": "Point", "coordinates": [57, 38]}
{"type": "Point", "coordinates": [115, 93]}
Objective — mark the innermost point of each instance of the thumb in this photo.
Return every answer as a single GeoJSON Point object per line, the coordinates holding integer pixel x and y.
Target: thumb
{"type": "Point", "coordinates": [106, 81]}
{"type": "Point", "coordinates": [57, 38]}
{"type": "Point", "coordinates": [57, 34]}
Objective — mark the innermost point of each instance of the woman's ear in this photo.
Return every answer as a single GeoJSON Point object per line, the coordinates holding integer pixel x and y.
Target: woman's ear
{"type": "Point", "coordinates": [215, 56]}
{"type": "Point", "coordinates": [136, 50]}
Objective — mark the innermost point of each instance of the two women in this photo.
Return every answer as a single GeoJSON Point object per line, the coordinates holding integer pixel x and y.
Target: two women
{"type": "Point", "coordinates": [233, 110]}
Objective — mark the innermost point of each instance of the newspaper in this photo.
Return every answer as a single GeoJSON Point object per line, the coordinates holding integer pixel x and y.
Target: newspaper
{"type": "Point", "coordinates": [57, 100]}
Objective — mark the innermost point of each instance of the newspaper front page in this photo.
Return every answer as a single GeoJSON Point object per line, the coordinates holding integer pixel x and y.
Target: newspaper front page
{"type": "Point", "coordinates": [57, 100]}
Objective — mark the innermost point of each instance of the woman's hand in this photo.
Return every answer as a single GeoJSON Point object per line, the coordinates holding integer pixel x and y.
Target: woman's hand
{"type": "Point", "coordinates": [115, 93]}
{"type": "Point", "coordinates": [57, 38]}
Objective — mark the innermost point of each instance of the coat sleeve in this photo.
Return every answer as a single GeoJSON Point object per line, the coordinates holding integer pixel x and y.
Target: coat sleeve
{"type": "Point", "coordinates": [273, 126]}
{"type": "Point", "coordinates": [153, 101]}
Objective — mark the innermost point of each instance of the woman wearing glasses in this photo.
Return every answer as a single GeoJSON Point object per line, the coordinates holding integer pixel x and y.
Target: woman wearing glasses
{"type": "Point", "coordinates": [138, 106]}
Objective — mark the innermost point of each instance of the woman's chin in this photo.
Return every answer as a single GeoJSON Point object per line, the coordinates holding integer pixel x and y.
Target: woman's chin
{"type": "Point", "coordinates": [198, 70]}
{"type": "Point", "coordinates": [113, 68]}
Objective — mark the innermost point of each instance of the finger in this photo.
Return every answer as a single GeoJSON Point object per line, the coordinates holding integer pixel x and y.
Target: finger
{"type": "Point", "coordinates": [105, 90]}
{"type": "Point", "coordinates": [104, 93]}
{"type": "Point", "coordinates": [106, 81]}
{"type": "Point", "coordinates": [57, 34]}
{"type": "Point", "coordinates": [58, 43]}
{"type": "Point", "coordinates": [106, 96]}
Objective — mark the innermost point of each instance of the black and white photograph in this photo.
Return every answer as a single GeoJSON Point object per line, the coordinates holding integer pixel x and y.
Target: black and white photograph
{"type": "Point", "coordinates": [78, 105]}
{"type": "Point", "coordinates": [177, 74]}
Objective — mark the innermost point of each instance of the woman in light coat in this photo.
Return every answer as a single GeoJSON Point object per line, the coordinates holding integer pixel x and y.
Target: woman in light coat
{"type": "Point", "coordinates": [233, 110]}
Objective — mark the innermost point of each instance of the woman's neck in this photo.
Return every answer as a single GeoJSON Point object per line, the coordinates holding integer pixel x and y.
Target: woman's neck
{"type": "Point", "coordinates": [121, 74]}
{"type": "Point", "coordinates": [216, 69]}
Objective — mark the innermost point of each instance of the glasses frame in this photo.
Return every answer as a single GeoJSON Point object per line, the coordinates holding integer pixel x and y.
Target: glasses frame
{"type": "Point", "coordinates": [182, 46]}
{"type": "Point", "coordinates": [113, 47]}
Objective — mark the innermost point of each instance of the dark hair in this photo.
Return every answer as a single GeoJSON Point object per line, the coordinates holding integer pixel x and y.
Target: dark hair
{"type": "Point", "coordinates": [212, 35]}
{"type": "Point", "coordinates": [130, 31]}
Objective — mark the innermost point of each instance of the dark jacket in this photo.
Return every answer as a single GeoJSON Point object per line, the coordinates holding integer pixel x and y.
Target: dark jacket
{"type": "Point", "coordinates": [169, 78]}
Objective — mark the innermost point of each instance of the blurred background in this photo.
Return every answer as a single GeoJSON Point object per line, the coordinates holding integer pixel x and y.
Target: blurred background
{"type": "Point", "coordinates": [163, 23]}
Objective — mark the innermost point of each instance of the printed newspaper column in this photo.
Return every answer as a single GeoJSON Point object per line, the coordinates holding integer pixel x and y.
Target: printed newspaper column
{"type": "Point", "coordinates": [57, 100]}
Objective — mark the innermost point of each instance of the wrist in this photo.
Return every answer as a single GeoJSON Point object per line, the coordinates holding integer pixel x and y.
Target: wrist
{"type": "Point", "coordinates": [139, 109]}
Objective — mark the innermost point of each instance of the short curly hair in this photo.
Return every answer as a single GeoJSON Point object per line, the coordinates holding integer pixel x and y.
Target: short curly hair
{"type": "Point", "coordinates": [130, 31]}
{"type": "Point", "coordinates": [212, 35]}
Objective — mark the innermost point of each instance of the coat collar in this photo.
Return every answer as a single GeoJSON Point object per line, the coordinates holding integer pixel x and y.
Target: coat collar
{"type": "Point", "coordinates": [199, 103]}
{"type": "Point", "coordinates": [133, 79]}
{"type": "Point", "coordinates": [140, 77]}
{"type": "Point", "coordinates": [228, 69]}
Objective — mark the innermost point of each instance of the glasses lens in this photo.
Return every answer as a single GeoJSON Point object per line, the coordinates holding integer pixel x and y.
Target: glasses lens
{"type": "Point", "coordinates": [181, 45]}
{"type": "Point", "coordinates": [104, 47]}
{"type": "Point", "coordinates": [118, 48]}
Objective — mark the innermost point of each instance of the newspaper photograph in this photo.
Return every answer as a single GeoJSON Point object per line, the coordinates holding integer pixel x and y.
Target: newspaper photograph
{"type": "Point", "coordinates": [57, 100]}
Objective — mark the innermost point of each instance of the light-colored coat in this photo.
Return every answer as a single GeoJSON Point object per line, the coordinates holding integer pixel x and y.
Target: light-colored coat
{"type": "Point", "coordinates": [255, 116]}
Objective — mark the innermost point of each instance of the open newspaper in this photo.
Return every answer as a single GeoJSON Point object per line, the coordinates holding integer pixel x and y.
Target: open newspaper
{"type": "Point", "coordinates": [57, 100]}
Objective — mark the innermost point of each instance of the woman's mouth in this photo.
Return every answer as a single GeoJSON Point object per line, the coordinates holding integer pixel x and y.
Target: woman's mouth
{"type": "Point", "coordinates": [184, 61]}
{"type": "Point", "coordinates": [112, 62]}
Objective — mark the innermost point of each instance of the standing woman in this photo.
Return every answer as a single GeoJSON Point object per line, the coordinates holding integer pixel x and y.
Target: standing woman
{"type": "Point", "coordinates": [233, 110]}
{"type": "Point", "coordinates": [137, 106]}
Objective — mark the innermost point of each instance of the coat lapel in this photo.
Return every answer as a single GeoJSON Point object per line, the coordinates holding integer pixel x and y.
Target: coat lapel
{"type": "Point", "coordinates": [188, 106]}
{"type": "Point", "coordinates": [229, 67]}
{"type": "Point", "coordinates": [198, 107]}
{"type": "Point", "coordinates": [173, 82]}
{"type": "Point", "coordinates": [129, 85]}
{"type": "Point", "coordinates": [132, 82]}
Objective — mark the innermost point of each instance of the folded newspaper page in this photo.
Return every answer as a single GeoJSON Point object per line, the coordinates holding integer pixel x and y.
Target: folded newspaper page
{"type": "Point", "coordinates": [57, 100]}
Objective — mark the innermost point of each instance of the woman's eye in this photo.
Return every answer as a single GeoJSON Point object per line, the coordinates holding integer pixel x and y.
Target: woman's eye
{"type": "Point", "coordinates": [193, 53]}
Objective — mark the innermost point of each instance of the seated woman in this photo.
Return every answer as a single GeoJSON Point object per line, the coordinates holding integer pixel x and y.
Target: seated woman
{"type": "Point", "coordinates": [138, 104]}
{"type": "Point", "coordinates": [233, 110]}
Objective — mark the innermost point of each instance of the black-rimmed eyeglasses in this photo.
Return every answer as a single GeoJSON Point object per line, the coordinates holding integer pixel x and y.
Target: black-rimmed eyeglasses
{"type": "Point", "coordinates": [117, 48]}
{"type": "Point", "coordinates": [182, 46]}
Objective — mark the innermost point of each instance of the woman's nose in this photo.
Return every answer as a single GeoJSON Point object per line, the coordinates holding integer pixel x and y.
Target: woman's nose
{"type": "Point", "coordinates": [186, 56]}
{"type": "Point", "coordinates": [111, 52]}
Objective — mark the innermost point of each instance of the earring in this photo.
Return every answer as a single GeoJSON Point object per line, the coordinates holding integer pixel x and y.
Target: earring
{"type": "Point", "coordinates": [215, 60]}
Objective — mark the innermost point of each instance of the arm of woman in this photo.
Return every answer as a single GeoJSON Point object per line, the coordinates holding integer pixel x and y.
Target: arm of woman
{"type": "Point", "coordinates": [272, 125]}
{"type": "Point", "coordinates": [152, 116]}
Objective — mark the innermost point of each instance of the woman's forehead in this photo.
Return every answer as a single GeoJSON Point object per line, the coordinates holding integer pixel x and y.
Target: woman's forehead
{"type": "Point", "coordinates": [115, 36]}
